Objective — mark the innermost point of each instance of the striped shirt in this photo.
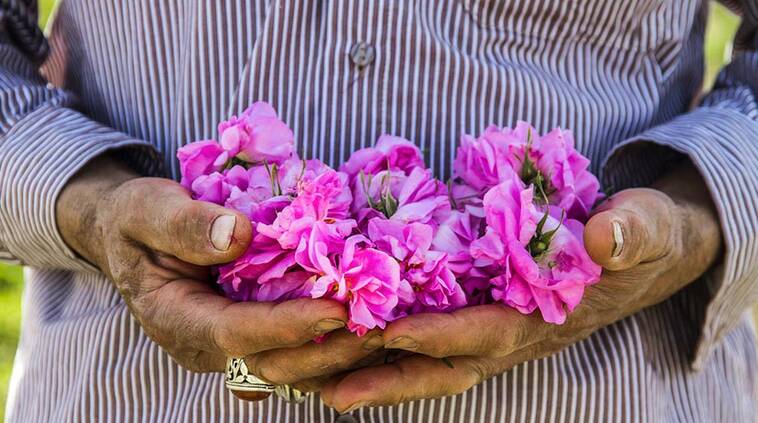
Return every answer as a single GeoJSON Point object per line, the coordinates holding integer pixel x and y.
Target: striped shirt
{"type": "Point", "coordinates": [143, 77]}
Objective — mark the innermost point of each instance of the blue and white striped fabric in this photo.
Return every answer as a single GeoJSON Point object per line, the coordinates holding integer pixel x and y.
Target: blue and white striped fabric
{"type": "Point", "coordinates": [143, 77]}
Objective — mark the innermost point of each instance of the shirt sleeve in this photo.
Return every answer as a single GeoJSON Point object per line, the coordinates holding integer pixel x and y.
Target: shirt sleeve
{"type": "Point", "coordinates": [720, 137]}
{"type": "Point", "coordinates": [44, 141]}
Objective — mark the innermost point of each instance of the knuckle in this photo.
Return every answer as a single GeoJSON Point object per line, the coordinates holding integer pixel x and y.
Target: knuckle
{"type": "Point", "coordinates": [660, 200]}
{"type": "Point", "coordinates": [165, 339]}
{"type": "Point", "coordinates": [290, 337]}
{"type": "Point", "coordinates": [441, 350]}
{"type": "Point", "coordinates": [191, 361]}
{"type": "Point", "coordinates": [123, 196]}
{"type": "Point", "coordinates": [255, 364]}
{"type": "Point", "coordinates": [328, 362]}
{"type": "Point", "coordinates": [320, 307]}
{"type": "Point", "coordinates": [496, 351]}
{"type": "Point", "coordinates": [128, 279]}
{"type": "Point", "coordinates": [143, 308]}
{"type": "Point", "coordinates": [299, 330]}
{"type": "Point", "coordinates": [502, 343]}
{"type": "Point", "coordinates": [181, 223]}
{"type": "Point", "coordinates": [478, 371]}
{"type": "Point", "coordinates": [169, 329]}
{"type": "Point", "coordinates": [436, 346]}
{"type": "Point", "coordinates": [275, 371]}
{"type": "Point", "coordinates": [226, 340]}
{"type": "Point", "coordinates": [127, 204]}
{"type": "Point", "coordinates": [159, 337]}
{"type": "Point", "coordinates": [223, 339]}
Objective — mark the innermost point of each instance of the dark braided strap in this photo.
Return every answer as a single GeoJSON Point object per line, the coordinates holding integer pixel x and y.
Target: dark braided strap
{"type": "Point", "coordinates": [18, 22]}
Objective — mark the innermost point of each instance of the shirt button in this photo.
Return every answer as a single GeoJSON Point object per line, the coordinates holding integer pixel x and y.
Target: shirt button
{"type": "Point", "coordinates": [346, 418]}
{"type": "Point", "coordinates": [362, 54]}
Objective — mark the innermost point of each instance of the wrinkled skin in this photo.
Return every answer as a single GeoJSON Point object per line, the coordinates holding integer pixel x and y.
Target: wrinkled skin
{"type": "Point", "coordinates": [156, 245]}
{"type": "Point", "coordinates": [671, 236]}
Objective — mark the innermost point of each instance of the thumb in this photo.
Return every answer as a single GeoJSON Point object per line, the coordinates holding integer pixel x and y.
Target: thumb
{"type": "Point", "coordinates": [632, 227]}
{"type": "Point", "coordinates": [165, 218]}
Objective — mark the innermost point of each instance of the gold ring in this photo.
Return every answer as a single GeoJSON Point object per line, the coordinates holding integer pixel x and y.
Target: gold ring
{"type": "Point", "coordinates": [245, 385]}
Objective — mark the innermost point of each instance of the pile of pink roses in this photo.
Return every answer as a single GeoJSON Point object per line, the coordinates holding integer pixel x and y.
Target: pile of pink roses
{"type": "Point", "coordinates": [382, 235]}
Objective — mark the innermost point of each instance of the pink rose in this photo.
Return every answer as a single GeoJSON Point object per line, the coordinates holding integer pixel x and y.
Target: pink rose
{"type": "Point", "coordinates": [252, 194]}
{"type": "Point", "coordinates": [259, 209]}
{"type": "Point", "coordinates": [236, 187]}
{"type": "Point", "coordinates": [427, 283]}
{"type": "Point", "coordinates": [328, 193]}
{"type": "Point", "coordinates": [286, 226]}
{"type": "Point", "coordinates": [290, 286]}
{"type": "Point", "coordinates": [366, 279]}
{"type": "Point", "coordinates": [482, 162]}
{"type": "Point", "coordinates": [323, 242]}
{"type": "Point", "coordinates": [262, 190]}
{"type": "Point", "coordinates": [200, 158]}
{"type": "Point", "coordinates": [389, 153]}
{"type": "Point", "coordinates": [541, 261]}
{"type": "Point", "coordinates": [416, 197]}
{"type": "Point", "coordinates": [563, 174]}
{"type": "Point", "coordinates": [263, 262]}
{"type": "Point", "coordinates": [238, 177]}
{"type": "Point", "coordinates": [213, 188]}
{"type": "Point", "coordinates": [464, 197]}
{"type": "Point", "coordinates": [391, 180]}
{"type": "Point", "coordinates": [454, 237]}
{"type": "Point", "coordinates": [295, 171]}
{"type": "Point", "coordinates": [324, 198]}
{"type": "Point", "coordinates": [551, 163]}
{"type": "Point", "coordinates": [258, 135]}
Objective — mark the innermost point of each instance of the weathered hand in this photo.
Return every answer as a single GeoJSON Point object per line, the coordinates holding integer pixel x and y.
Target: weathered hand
{"type": "Point", "coordinates": [670, 237]}
{"type": "Point", "coordinates": [155, 244]}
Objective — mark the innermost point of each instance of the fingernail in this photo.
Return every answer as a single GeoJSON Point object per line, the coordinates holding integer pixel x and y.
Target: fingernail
{"type": "Point", "coordinates": [354, 407]}
{"type": "Point", "coordinates": [373, 343]}
{"type": "Point", "coordinates": [328, 325]}
{"type": "Point", "coordinates": [618, 239]}
{"type": "Point", "coordinates": [402, 343]}
{"type": "Point", "coordinates": [222, 231]}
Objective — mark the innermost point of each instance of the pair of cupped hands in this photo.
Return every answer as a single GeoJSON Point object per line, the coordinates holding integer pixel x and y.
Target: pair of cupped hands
{"type": "Point", "coordinates": [155, 243]}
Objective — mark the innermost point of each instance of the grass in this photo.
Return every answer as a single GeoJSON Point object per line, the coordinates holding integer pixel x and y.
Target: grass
{"type": "Point", "coordinates": [721, 29]}
{"type": "Point", "coordinates": [10, 303]}
{"type": "Point", "coordinates": [722, 25]}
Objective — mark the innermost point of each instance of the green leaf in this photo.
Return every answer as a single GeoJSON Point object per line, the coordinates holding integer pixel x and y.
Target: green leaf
{"type": "Point", "coordinates": [540, 242]}
{"type": "Point", "coordinates": [234, 161]}
{"type": "Point", "coordinates": [390, 204]}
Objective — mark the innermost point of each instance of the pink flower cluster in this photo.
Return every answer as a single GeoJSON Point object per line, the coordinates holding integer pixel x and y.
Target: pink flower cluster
{"type": "Point", "coordinates": [385, 237]}
{"type": "Point", "coordinates": [534, 194]}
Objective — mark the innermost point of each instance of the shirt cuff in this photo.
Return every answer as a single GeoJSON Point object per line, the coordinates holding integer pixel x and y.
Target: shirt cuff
{"type": "Point", "coordinates": [38, 156]}
{"type": "Point", "coordinates": [723, 145]}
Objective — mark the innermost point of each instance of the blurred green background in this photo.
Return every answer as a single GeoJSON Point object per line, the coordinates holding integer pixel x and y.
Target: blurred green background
{"type": "Point", "coordinates": [721, 29]}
